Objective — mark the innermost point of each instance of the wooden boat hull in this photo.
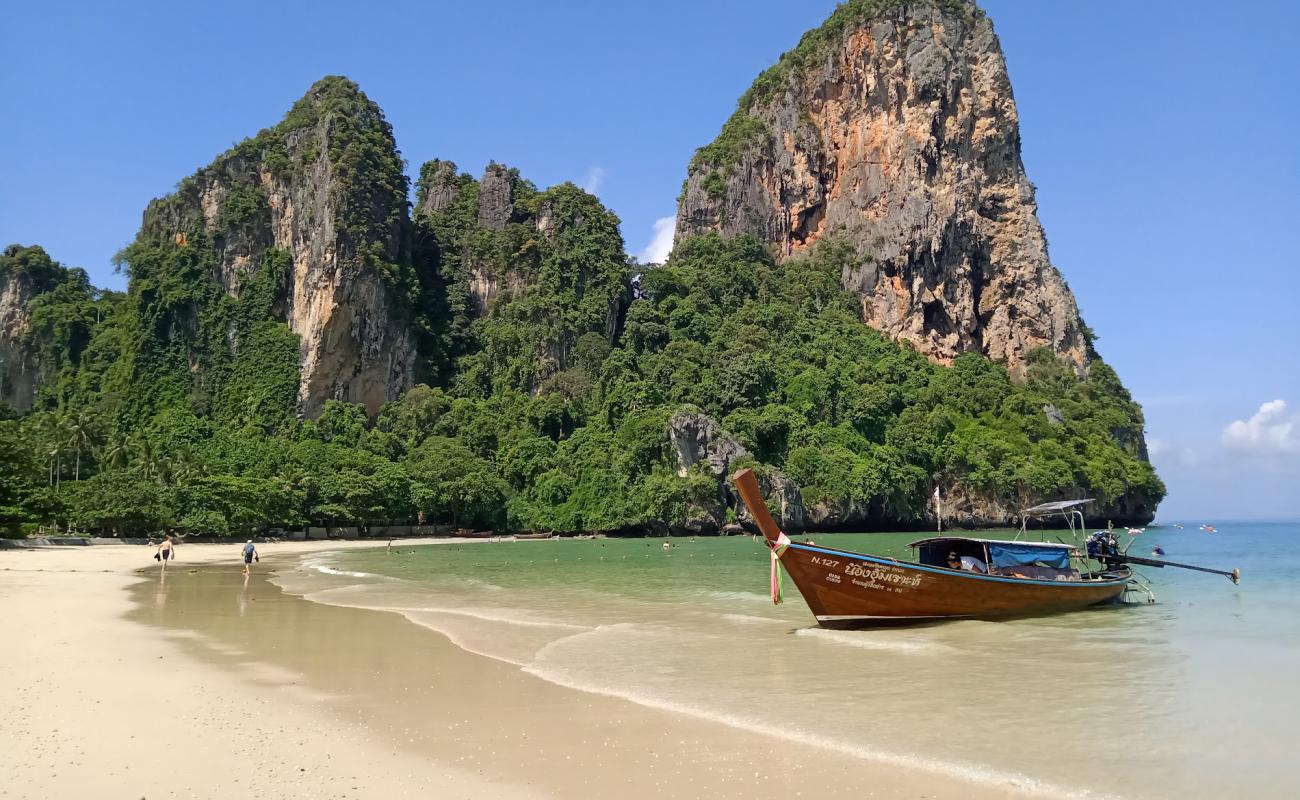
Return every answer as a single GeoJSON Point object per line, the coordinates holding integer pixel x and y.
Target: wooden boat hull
{"type": "Point", "coordinates": [853, 590]}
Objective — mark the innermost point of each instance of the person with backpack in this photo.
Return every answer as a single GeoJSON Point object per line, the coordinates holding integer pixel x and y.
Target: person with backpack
{"type": "Point", "coordinates": [250, 555]}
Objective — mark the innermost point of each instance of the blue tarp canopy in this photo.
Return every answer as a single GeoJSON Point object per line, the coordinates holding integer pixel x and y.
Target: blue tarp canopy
{"type": "Point", "coordinates": [1014, 554]}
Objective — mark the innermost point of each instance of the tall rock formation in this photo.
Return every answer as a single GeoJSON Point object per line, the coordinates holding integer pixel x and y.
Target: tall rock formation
{"type": "Point", "coordinates": [893, 127]}
{"type": "Point", "coordinates": [533, 280]}
{"type": "Point", "coordinates": [25, 273]}
{"type": "Point", "coordinates": [325, 188]}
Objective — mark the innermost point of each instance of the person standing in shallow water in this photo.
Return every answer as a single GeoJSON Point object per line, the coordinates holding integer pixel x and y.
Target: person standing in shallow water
{"type": "Point", "coordinates": [166, 551]}
{"type": "Point", "coordinates": [250, 555]}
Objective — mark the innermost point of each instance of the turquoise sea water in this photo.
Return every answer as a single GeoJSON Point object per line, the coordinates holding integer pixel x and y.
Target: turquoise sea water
{"type": "Point", "coordinates": [1193, 696]}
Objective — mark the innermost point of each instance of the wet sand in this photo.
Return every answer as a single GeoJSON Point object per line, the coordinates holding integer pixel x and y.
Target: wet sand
{"type": "Point", "coordinates": [204, 685]}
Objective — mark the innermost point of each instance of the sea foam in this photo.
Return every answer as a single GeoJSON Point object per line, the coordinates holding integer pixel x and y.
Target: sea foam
{"type": "Point", "coordinates": [866, 640]}
{"type": "Point", "coordinates": [972, 773]}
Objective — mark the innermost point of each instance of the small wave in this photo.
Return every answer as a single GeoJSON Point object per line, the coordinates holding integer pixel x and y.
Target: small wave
{"type": "Point", "coordinates": [332, 571]}
{"type": "Point", "coordinates": [972, 773]}
{"type": "Point", "coordinates": [748, 597]}
{"type": "Point", "coordinates": [503, 616]}
{"type": "Point", "coordinates": [873, 641]}
{"type": "Point", "coordinates": [749, 619]}
{"type": "Point", "coordinates": [374, 599]}
{"type": "Point", "coordinates": [461, 640]}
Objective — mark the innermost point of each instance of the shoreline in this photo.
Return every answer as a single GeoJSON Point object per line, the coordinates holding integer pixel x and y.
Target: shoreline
{"type": "Point", "coordinates": [97, 705]}
{"type": "Point", "coordinates": [396, 710]}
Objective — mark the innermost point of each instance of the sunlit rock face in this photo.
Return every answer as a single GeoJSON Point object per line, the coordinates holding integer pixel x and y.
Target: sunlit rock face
{"type": "Point", "coordinates": [897, 132]}
{"type": "Point", "coordinates": [294, 189]}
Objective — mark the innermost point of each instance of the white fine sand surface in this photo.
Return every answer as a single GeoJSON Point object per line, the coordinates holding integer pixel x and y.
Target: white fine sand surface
{"type": "Point", "coordinates": [95, 706]}
{"type": "Point", "coordinates": [117, 684]}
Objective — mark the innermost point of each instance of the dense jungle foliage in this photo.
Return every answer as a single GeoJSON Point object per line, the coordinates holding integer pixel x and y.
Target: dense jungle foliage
{"type": "Point", "coordinates": [553, 411]}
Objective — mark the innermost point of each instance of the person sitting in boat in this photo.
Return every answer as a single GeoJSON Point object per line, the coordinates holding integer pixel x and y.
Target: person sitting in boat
{"type": "Point", "coordinates": [967, 563]}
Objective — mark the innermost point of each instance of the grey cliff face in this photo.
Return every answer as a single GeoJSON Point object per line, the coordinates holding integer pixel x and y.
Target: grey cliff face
{"type": "Point", "coordinates": [440, 186]}
{"type": "Point", "coordinates": [496, 198]}
{"type": "Point", "coordinates": [355, 344]}
{"type": "Point", "coordinates": [697, 438]}
{"type": "Point", "coordinates": [904, 141]}
{"type": "Point", "coordinates": [20, 369]}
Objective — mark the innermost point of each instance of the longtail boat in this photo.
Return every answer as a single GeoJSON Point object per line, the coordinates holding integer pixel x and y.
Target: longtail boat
{"type": "Point", "coordinates": [953, 577]}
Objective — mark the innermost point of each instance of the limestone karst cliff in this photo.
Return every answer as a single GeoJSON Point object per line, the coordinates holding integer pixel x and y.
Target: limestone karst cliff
{"type": "Point", "coordinates": [25, 273]}
{"type": "Point", "coordinates": [893, 127]}
{"type": "Point", "coordinates": [48, 317]}
{"type": "Point", "coordinates": [325, 188]}
{"type": "Point", "coordinates": [289, 274]}
{"type": "Point", "coordinates": [546, 265]}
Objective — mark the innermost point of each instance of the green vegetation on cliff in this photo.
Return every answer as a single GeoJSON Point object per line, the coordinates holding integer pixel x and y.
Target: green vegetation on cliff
{"type": "Point", "coordinates": [555, 379]}
{"type": "Point", "coordinates": [773, 351]}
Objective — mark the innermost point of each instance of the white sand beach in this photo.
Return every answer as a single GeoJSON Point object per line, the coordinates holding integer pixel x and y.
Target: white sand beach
{"type": "Point", "coordinates": [334, 703]}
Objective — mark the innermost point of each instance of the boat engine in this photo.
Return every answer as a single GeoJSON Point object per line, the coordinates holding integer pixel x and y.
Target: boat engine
{"type": "Point", "coordinates": [1102, 543]}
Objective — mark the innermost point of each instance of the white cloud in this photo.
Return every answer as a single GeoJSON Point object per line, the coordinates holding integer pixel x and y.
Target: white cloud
{"type": "Point", "coordinates": [594, 180]}
{"type": "Point", "coordinates": [1272, 431]}
{"type": "Point", "coordinates": [661, 243]}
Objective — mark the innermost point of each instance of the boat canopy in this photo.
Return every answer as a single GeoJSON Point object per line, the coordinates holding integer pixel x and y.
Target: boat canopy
{"type": "Point", "coordinates": [1003, 553]}
{"type": "Point", "coordinates": [1054, 507]}
{"type": "Point", "coordinates": [1029, 554]}
{"type": "Point", "coordinates": [991, 542]}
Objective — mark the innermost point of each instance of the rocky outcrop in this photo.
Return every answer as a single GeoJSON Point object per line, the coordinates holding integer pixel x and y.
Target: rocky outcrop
{"type": "Point", "coordinates": [496, 198]}
{"type": "Point", "coordinates": [439, 186]}
{"type": "Point", "coordinates": [698, 439]}
{"type": "Point", "coordinates": [895, 130]}
{"type": "Point", "coordinates": [326, 187]}
{"type": "Point", "coordinates": [25, 273]}
{"type": "Point", "coordinates": [499, 238]}
{"type": "Point", "coordinates": [483, 264]}
{"type": "Point", "coordinates": [19, 369]}
{"type": "Point", "coordinates": [965, 509]}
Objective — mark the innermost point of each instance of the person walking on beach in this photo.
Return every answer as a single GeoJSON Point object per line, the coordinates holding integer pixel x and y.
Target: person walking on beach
{"type": "Point", "coordinates": [250, 555]}
{"type": "Point", "coordinates": [166, 551]}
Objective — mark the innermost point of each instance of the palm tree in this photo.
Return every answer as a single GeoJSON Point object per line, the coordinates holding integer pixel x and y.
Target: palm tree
{"type": "Point", "coordinates": [147, 459]}
{"type": "Point", "coordinates": [166, 470]}
{"type": "Point", "coordinates": [117, 455]}
{"type": "Point", "coordinates": [187, 465]}
{"type": "Point", "coordinates": [54, 437]}
{"type": "Point", "coordinates": [293, 476]}
{"type": "Point", "coordinates": [45, 426]}
{"type": "Point", "coordinates": [83, 430]}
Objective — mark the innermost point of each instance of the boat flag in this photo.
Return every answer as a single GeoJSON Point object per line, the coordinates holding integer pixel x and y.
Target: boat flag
{"type": "Point", "coordinates": [778, 547]}
{"type": "Point", "coordinates": [938, 509]}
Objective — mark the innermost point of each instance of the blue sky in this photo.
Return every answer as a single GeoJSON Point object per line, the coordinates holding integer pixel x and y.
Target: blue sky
{"type": "Point", "coordinates": [1161, 136]}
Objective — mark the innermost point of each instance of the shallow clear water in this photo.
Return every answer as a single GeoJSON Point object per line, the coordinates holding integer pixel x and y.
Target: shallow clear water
{"type": "Point", "coordinates": [1193, 696]}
